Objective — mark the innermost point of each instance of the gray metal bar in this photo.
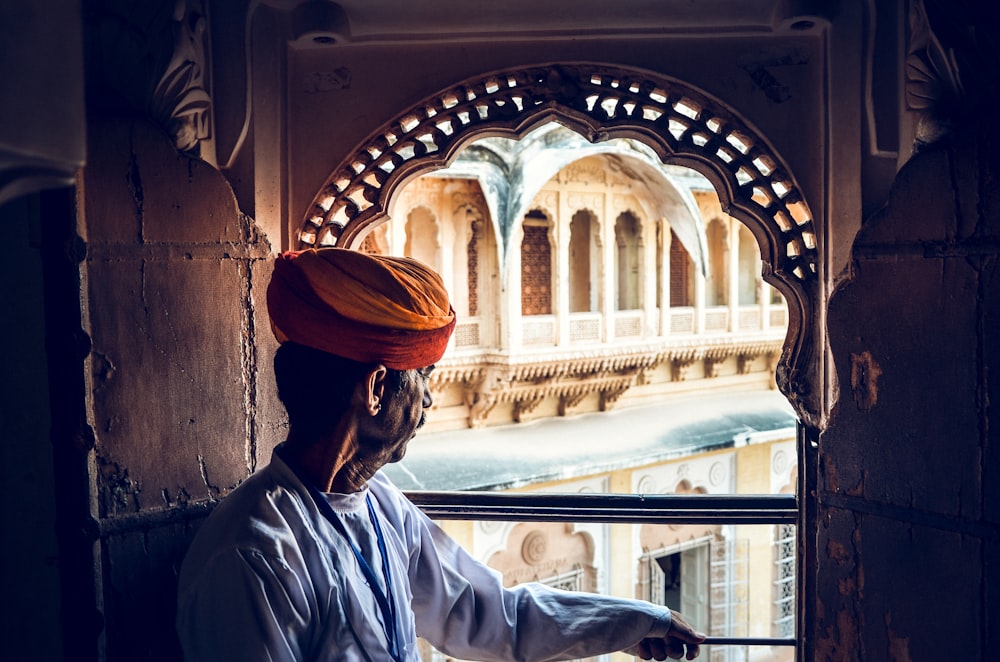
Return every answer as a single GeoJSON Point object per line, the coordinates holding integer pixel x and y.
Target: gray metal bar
{"type": "Point", "coordinates": [612, 508]}
{"type": "Point", "coordinates": [748, 641]}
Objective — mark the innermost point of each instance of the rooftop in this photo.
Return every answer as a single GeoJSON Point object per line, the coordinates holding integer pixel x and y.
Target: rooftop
{"type": "Point", "coordinates": [570, 447]}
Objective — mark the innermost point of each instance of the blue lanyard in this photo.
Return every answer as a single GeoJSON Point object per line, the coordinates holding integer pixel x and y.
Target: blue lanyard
{"type": "Point", "coordinates": [385, 601]}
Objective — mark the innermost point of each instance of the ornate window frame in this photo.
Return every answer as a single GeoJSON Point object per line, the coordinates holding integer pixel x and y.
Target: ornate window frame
{"type": "Point", "coordinates": [682, 124]}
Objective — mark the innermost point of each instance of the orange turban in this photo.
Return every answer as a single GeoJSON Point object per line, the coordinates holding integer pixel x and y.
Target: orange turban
{"type": "Point", "coordinates": [369, 308]}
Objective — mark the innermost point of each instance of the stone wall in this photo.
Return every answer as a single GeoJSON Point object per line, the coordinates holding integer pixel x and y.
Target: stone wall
{"type": "Point", "coordinates": [173, 287]}
{"type": "Point", "coordinates": [909, 515]}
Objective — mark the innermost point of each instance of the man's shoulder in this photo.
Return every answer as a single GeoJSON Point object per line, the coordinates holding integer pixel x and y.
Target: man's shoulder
{"type": "Point", "coordinates": [391, 499]}
{"type": "Point", "coordinates": [257, 514]}
{"type": "Point", "coordinates": [385, 490]}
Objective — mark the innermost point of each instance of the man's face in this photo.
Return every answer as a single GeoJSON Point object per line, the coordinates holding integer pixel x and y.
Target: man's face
{"type": "Point", "coordinates": [385, 435]}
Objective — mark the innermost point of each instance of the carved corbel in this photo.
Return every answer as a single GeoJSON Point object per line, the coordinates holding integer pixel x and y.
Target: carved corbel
{"type": "Point", "coordinates": [154, 58]}
{"type": "Point", "coordinates": [640, 376]}
{"type": "Point", "coordinates": [480, 410]}
{"type": "Point", "coordinates": [679, 369]}
{"type": "Point", "coordinates": [527, 405]}
{"type": "Point", "coordinates": [744, 362]}
{"type": "Point", "coordinates": [494, 380]}
{"type": "Point", "coordinates": [570, 400]}
{"type": "Point", "coordinates": [611, 396]}
{"type": "Point", "coordinates": [948, 72]}
{"type": "Point", "coordinates": [180, 102]}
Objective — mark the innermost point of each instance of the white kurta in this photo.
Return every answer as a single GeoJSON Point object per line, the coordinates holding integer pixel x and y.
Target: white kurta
{"type": "Point", "coordinates": [268, 577]}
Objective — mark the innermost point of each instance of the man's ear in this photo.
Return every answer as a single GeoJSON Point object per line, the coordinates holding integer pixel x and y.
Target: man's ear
{"type": "Point", "coordinates": [375, 389]}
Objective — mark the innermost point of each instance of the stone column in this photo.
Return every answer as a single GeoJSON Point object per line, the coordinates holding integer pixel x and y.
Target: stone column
{"type": "Point", "coordinates": [562, 275]}
{"type": "Point", "coordinates": [733, 274]}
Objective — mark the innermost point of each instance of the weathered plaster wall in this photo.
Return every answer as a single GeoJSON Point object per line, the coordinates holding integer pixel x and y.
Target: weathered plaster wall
{"type": "Point", "coordinates": [909, 505]}
{"type": "Point", "coordinates": [173, 292]}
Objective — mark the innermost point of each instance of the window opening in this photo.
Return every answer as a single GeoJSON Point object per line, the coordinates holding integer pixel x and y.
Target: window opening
{"type": "Point", "coordinates": [472, 265]}
{"type": "Point", "coordinates": [536, 266]}
{"type": "Point", "coordinates": [681, 283]}
{"type": "Point", "coordinates": [581, 260]}
{"type": "Point", "coordinates": [718, 261]}
{"type": "Point", "coordinates": [423, 238]}
{"type": "Point", "coordinates": [749, 263]}
{"type": "Point", "coordinates": [627, 261]}
{"type": "Point", "coordinates": [695, 126]}
{"type": "Point", "coordinates": [559, 234]}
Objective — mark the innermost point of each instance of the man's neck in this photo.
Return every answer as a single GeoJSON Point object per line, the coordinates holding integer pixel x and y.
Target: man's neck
{"type": "Point", "coordinates": [325, 462]}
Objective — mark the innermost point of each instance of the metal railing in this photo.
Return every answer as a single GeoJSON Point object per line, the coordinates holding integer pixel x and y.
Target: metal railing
{"type": "Point", "coordinates": [610, 508]}
{"type": "Point", "coordinates": [618, 509]}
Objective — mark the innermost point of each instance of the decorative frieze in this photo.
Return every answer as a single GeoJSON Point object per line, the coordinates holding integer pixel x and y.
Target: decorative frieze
{"type": "Point", "coordinates": [568, 378]}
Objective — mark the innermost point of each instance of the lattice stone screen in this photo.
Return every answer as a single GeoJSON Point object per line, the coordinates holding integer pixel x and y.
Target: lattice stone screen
{"type": "Point", "coordinates": [676, 118]}
{"type": "Point", "coordinates": [682, 124]}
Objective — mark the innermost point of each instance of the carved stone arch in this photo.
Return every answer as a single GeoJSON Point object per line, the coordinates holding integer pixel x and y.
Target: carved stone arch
{"type": "Point", "coordinates": [680, 123]}
{"type": "Point", "coordinates": [405, 213]}
{"type": "Point", "coordinates": [540, 211]}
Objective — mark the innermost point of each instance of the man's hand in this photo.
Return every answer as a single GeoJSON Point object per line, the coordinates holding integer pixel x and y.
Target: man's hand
{"type": "Point", "coordinates": [681, 638]}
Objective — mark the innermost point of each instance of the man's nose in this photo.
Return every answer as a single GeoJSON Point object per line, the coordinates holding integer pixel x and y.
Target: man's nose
{"type": "Point", "coordinates": [428, 400]}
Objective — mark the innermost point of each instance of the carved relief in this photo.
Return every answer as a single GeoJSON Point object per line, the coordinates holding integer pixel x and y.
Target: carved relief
{"type": "Point", "coordinates": [166, 43]}
{"type": "Point", "coordinates": [570, 400]}
{"type": "Point", "coordinates": [591, 201]}
{"type": "Point", "coordinates": [717, 474]}
{"type": "Point", "coordinates": [480, 410]}
{"type": "Point", "coordinates": [661, 536]}
{"type": "Point", "coordinates": [181, 102]}
{"type": "Point", "coordinates": [948, 72]}
{"type": "Point", "coordinates": [548, 202]}
{"type": "Point", "coordinates": [567, 380]}
{"type": "Point", "coordinates": [544, 550]}
{"type": "Point", "coordinates": [534, 548]}
{"type": "Point", "coordinates": [583, 172]}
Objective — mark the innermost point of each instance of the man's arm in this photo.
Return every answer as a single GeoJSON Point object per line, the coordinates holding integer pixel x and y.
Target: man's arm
{"type": "Point", "coordinates": [462, 608]}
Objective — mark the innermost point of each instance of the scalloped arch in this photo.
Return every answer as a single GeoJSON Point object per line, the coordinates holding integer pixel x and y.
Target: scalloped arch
{"type": "Point", "coordinates": [682, 124]}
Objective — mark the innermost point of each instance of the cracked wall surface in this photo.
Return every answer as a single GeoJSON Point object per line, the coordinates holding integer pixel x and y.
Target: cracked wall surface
{"type": "Point", "coordinates": [174, 283]}
{"type": "Point", "coordinates": [909, 521]}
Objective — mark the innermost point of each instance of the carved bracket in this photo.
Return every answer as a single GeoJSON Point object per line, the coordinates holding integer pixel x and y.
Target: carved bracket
{"type": "Point", "coordinates": [524, 407]}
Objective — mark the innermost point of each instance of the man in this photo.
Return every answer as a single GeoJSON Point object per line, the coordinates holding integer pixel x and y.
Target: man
{"type": "Point", "coordinates": [319, 557]}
